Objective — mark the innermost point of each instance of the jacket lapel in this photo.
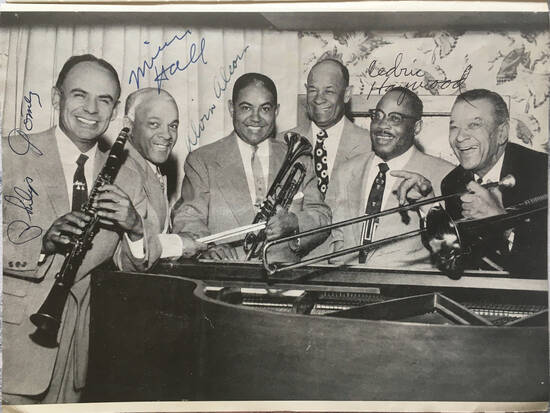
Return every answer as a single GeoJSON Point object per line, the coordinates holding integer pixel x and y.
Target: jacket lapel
{"type": "Point", "coordinates": [50, 163]}
{"type": "Point", "coordinates": [357, 195]}
{"type": "Point", "coordinates": [349, 142]}
{"type": "Point", "coordinates": [231, 181]}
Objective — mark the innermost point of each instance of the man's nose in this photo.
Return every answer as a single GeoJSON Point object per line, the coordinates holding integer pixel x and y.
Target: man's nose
{"type": "Point", "coordinates": [90, 105]}
{"type": "Point", "coordinates": [255, 115]}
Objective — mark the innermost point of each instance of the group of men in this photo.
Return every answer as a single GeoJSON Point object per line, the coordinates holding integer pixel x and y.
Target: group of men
{"type": "Point", "coordinates": [351, 172]}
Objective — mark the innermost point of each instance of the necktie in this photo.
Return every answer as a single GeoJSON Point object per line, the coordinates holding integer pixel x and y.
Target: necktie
{"type": "Point", "coordinates": [80, 188]}
{"type": "Point", "coordinates": [374, 205]}
{"type": "Point", "coordinates": [320, 158]}
{"type": "Point", "coordinates": [160, 177]}
{"type": "Point", "coordinates": [259, 182]}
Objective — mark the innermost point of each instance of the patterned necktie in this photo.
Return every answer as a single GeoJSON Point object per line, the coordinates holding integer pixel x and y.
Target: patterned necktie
{"type": "Point", "coordinates": [160, 177]}
{"type": "Point", "coordinates": [259, 182]}
{"type": "Point", "coordinates": [374, 205]}
{"type": "Point", "coordinates": [320, 158]}
{"type": "Point", "coordinates": [80, 188]}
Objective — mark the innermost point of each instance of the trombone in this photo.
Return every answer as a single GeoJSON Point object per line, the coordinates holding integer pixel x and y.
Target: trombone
{"type": "Point", "coordinates": [438, 226]}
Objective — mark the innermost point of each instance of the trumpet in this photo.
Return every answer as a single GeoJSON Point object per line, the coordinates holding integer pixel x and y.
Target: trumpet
{"type": "Point", "coordinates": [48, 317]}
{"type": "Point", "coordinates": [457, 238]}
{"type": "Point", "coordinates": [280, 193]}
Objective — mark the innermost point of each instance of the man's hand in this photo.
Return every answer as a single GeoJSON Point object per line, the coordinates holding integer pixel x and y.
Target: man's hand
{"type": "Point", "coordinates": [190, 247]}
{"type": "Point", "coordinates": [281, 224]}
{"type": "Point", "coordinates": [115, 207]}
{"type": "Point", "coordinates": [62, 231]}
{"type": "Point", "coordinates": [221, 252]}
{"type": "Point", "coordinates": [481, 202]}
{"type": "Point", "coordinates": [413, 187]}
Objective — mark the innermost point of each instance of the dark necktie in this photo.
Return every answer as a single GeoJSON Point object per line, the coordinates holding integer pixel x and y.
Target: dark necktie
{"type": "Point", "coordinates": [374, 205]}
{"type": "Point", "coordinates": [80, 188]}
{"type": "Point", "coordinates": [320, 158]}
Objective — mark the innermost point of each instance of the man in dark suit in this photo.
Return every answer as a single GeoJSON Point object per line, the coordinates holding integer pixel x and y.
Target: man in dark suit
{"type": "Point", "coordinates": [478, 134]}
{"type": "Point", "coordinates": [47, 178]}
{"type": "Point", "coordinates": [226, 181]}
{"type": "Point", "coordinates": [334, 137]}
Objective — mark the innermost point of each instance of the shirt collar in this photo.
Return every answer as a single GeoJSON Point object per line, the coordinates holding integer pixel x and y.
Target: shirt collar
{"type": "Point", "coordinates": [263, 147]}
{"type": "Point", "coordinates": [334, 130]}
{"type": "Point", "coordinates": [68, 151]}
{"type": "Point", "coordinates": [398, 162]}
{"type": "Point", "coordinates": [493, 175]}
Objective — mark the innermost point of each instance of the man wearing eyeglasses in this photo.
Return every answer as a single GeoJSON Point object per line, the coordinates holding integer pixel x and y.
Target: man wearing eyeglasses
{"type": "Point", "coordinates": [367, 184]}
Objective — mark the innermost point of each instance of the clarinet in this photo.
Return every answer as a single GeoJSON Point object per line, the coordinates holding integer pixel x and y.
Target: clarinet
{"type": "Point", "coordinates": [48, 318]}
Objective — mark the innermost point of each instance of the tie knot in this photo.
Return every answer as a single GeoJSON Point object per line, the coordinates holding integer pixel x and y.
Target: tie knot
{"type": "Point", "coordinates": [383, 166]}
{"type": "Point", "coordinates": [81, 160]}
{"type": "Point", "coordinates": [322, 135]}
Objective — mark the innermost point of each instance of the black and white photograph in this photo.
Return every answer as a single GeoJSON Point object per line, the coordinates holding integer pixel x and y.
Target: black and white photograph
{"type": "Point", "coordinates": [294, 205]}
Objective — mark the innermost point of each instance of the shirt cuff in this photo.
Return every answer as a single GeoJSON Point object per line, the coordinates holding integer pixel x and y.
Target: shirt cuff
{"type": "Point", "coordinates": [136, 247]}
{"type": "Point", "coordinates": [172, 245]}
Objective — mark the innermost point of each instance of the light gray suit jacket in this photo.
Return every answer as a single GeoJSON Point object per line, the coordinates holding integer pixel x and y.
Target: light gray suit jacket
{"type": "Point", "coordinates": [215, 195]}
{"type": "Point", "coordinates": [154, 213]}
{"type": "Point", "coordinates": [28, 369]}
{"type": "Point", "coordinates": [354, 141]}
{"type": "Point", "coordinates": [348, 200]}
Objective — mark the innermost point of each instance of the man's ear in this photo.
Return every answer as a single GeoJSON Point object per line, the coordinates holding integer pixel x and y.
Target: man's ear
{"type": "Point", "coordinates": [502, 133]}
{"type": "Point", "coordinates": [418, 126]}
{"type": "Point", "coordinates": [115, 111]}
{"type": "Point", "coordinates": [277, 109]}
{"type": "Point", "coordinates": [56, 98]}
{"type": "Point", "coordinates": [128, 123]}
{"type": "Point", "coordinates": [347, 93]}
{"type": "Point", "coordinates": [230, 107]}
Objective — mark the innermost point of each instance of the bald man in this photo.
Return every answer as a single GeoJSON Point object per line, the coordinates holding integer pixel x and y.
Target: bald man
{"type": "Point", "coordinates": [152, 116]}
{"type": "Point", "coordinates": [334, 137]}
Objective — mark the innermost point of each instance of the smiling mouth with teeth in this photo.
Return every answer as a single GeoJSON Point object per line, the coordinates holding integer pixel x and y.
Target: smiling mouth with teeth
{"type": "Point", "coordinates": [86, 121]}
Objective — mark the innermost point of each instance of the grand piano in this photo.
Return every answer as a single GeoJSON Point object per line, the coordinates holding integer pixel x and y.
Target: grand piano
{"type": "Point", "coordinates": [228, 331]}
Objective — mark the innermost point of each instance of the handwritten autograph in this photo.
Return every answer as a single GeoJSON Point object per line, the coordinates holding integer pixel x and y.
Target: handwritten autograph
{"type": "Point", "coordinates": [175, 67]}
{"type": "Point", "coordinates": [397, 71]}
{"type": "Point", "coordinates": [20, 231]}
{"type": "Point", "coordinates": [27, 113]}
{"type": "Point", "coordinates": [220, 86]}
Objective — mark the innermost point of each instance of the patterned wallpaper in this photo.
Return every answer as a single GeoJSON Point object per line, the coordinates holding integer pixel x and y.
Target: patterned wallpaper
{"type": "Point", "coordinates": [437, 63]}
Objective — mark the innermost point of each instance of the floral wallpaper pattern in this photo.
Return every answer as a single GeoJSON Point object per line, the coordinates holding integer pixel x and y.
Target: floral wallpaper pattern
{"type": "Point", "coordinates": [513, 64]}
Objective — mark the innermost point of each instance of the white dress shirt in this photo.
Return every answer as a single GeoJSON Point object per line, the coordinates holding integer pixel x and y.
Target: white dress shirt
{"type": "Point", "coordinates": [263, 155]}
{"type": "Point", "coordinates": [332, 142]}
{"type": "Point", "coordinates": [493, 175]}
{"type": "Point", "coordinates": [69, 153]}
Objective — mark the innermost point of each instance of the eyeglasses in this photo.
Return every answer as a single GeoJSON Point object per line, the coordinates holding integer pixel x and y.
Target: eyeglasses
{"type": "Point", "coordinates": [394, 118]}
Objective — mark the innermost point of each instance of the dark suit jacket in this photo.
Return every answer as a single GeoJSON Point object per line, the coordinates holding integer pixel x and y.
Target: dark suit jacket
{"type": "Point", "coordinates": [215, 195]}
{"type": "Point", "coordinates": [528, 255]}
{"type": "Point", "coordinates": [28, 368]}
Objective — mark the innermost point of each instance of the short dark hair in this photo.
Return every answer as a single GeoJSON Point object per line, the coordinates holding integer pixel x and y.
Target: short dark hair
{"type": "Point", "coordinates": [343, 69]}
{"type": "Point", "coordinates": [501, 109]}
{"type": "Point", "coordinates": [251, 78]}
{"type": "Point", "coordinates": [74, 60]}
{"type": "Point", "coordinates": [416, 103]}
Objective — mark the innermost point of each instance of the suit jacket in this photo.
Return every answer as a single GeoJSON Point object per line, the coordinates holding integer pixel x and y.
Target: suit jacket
{"type": "Point", "coordinates": [354, 141]}
{"type": "Point", "coordinates": [215, 195]}
{"type": "Point", "coordinates": [28, 368]}
{"type": "Point", "coordinates": [154, 213]}
{"type": "Point", "coordinates": [351, 192]}
{"type": "Point", "coordinates": [528, 255]}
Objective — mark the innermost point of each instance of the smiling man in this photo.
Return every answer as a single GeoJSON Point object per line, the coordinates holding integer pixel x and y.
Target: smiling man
{"type": "Point", "coordinates": [366, 184]}
{"type": "Point", "coordinates": [57, 177]}
{"type": "Point", "coordinates": [334, 137]}
{"type": "Point", "coordinates": [226, 181]}
{"type": "Point", "coordinates": [153, 119]}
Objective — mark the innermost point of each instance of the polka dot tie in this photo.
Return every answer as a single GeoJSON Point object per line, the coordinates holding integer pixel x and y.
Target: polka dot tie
{"type": "Point", "coordinates": [320, 159]}
{"type": "Point", "coordinates": [374, 205]}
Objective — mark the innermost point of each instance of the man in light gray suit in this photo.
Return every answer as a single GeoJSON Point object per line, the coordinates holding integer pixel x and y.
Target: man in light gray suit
{"type": "Point", "coordinates": [334, 137]}
{"type": "Point", "coordinates": [226, 181]}
{"type": "Point", "coordinates": [364, 186]}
